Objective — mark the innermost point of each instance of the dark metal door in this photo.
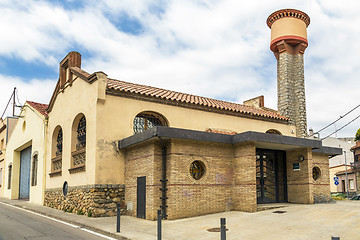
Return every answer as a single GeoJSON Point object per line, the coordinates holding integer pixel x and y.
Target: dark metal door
{"type": "Point", "coordinates": [141, 197]}
{"type": "Point", "coordinates": [270, 176]}
{"type": "Point", "coordinates": [24, 183]}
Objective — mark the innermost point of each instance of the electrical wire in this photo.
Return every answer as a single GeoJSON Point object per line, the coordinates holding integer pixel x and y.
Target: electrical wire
{"type": "Point", "coordinates": [341, 127]}
{"type": "Point", "coordinates": [335, 121]}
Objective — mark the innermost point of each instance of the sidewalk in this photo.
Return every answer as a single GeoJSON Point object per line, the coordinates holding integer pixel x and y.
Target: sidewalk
{"type": "Point", "coordinates": [319, 221]}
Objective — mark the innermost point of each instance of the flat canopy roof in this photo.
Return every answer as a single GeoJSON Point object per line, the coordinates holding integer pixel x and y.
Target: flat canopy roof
{"type": "Point", "coordinates": [261, 140]}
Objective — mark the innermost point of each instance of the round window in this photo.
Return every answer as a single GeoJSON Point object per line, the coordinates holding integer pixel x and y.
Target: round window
{"type": "Point", "coordinates": [316, 173]}
{"type": "Point", "coordinates": [65, 188]}
{"type": "Point", "coordinates": [197, 169]}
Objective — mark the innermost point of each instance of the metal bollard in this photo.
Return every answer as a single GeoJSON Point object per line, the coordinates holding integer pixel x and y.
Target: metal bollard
{"type": "Point", "coordinates": [223, 228]}
{"type": "Point", "coordinates": [159, 224]}
{"type": "Point", "coordinates": [335, 238]}
{"type": "Point", "coordinates": [118, 218]}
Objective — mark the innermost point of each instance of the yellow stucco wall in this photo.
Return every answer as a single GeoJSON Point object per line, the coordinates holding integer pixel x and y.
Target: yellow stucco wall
{"type": "Point", "coordinates": [288, 26]}
{"type": "Point", "coordinates": [30, 130]}
{"type": "Point", "coordinates": [78, 98]}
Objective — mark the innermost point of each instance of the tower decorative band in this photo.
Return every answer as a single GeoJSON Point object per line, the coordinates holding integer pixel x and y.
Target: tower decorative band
{"type": "Point", "coordinates": [288, 43]}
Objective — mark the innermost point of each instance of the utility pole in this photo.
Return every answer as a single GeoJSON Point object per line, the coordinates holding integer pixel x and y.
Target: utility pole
{"type": "Point", "coordinates": [347, 187]}
{"type": "Point", "coordinates": [13, 95]}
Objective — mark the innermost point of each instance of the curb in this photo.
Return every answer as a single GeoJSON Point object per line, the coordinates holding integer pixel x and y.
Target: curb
{"type": "Point", "coordinates": [81, 225]}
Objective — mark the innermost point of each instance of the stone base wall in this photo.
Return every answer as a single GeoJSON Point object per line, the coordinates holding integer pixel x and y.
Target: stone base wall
{"type": "Point", "coordinates": [92, 200]}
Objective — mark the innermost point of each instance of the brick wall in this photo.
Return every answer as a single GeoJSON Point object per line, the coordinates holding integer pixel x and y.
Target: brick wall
{"type": "Point", "coordinates": [216, 191]}
{"type": "Point", "coordinates": [322, 184]}
{"type": "Point", "coordinates": [244, 189]}
{"type": "Point", "coordinates": [229, 181]}
{"type": "Point", "coordinates": [300, 182]}
{"type": "Point", "coordinates": [143, 160]}
{"type": "Point", "coordinates": [188, 197]}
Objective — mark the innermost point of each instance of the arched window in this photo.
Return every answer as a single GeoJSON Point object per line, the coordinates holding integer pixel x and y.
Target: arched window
{"type": "Point", "coordinates": [273, 131]}
{"type": "Point", "coordinates": [147, 120]}
{"type": "Point", "coordinates": [81, 134]}
{"type": "Point", "coordinates": [56, 153]}
{"type": "Point", "coordinates": [78, 144]}
{"type": "Point", "coordinates": [59, 141]}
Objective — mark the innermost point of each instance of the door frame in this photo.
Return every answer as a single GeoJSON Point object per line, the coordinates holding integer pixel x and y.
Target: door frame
{"type": "Point", "coordinates": [279, 156]}
{"type": "Point", "coordinates": [141, 197]}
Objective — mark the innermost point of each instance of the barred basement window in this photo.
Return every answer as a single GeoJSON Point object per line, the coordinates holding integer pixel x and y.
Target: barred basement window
{"type": "Point", "coordinates": [147, 120]}
{"type": "Point", "coordinates": [197, 169]}
{"type": "Point", "coordinates": [34, 170]}
{"type": "Point", "coordinates": [81, 134]}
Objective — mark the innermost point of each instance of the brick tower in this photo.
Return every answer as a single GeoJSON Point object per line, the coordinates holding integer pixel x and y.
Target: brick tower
{"type": "Point", "coordinates": [288, 43]}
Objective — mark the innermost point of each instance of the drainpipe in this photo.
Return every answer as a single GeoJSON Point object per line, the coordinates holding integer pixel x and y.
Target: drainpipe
{"type": "Point", "coordinates": [44, 162]}
{"type": "Point", "coordinates": [163, 180]}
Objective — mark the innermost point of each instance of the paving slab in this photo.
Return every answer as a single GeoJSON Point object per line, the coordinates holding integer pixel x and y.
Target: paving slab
{"type": "Point", "coordinates": [293, 221]}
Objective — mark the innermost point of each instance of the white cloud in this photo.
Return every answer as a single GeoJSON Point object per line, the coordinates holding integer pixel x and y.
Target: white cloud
{"type": "Point", "coordinates": [211, 48]}
{"type": "Point", "coordinates": [34, 90]}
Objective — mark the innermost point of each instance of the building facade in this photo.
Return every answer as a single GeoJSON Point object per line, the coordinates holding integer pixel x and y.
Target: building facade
{"type": "Point", "coordinates": [107, 141]}
{"type": "Point", "coordinates": [6, 127]}
{"type": "Point", "coordinates": [25, 155]}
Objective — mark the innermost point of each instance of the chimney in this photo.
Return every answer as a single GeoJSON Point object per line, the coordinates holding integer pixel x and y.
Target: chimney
{"type": "Point", "coordinates": [73, 59]}
{"type": "Point", "coordinates": [288, 43]}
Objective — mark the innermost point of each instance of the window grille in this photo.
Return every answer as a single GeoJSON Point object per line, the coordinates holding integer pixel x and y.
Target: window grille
{"type": "Point", "coordinates": [59, 141]}
{"type": "Point", "coordinates": [146, 121]}
{"type": "Point", "coordinates": [81, 134]}
{"type": "Point", "coordinates": [197, 169]}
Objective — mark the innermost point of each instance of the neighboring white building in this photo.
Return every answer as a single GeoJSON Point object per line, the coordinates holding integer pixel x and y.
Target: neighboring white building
{"type": "Point", "coordinates": [346, 144]}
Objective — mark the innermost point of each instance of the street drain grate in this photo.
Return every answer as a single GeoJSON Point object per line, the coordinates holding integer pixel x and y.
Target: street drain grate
{"type": "Point", "coordinates": [279, 212]}
{"type": "Point", "coordinates": [215, 229]}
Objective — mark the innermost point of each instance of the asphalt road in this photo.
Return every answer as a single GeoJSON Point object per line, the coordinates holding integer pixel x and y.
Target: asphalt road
{"type": "Point", "coordinates": [19, 224]}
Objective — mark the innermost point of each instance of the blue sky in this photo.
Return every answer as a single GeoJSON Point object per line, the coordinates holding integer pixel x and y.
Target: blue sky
{"type": "Point", "coordinates": [212, 48]}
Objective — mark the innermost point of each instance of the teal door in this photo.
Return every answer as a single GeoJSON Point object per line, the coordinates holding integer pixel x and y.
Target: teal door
{"type": "Point", "coordinates": [25, 165]}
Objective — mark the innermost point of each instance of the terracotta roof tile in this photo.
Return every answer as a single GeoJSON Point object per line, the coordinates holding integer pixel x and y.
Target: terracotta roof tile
{"type": "Point", "coordinates": [122, 86]}
{"type": "Point", "coordinates": [41, 108]}
{"type": "Point", "coordinates": [169, 95]}
{"type": "Point", "coordinates": [357, 145]}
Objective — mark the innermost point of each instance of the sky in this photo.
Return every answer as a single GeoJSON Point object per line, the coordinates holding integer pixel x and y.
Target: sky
{"type": "Point", "coordinates": [212, 48]}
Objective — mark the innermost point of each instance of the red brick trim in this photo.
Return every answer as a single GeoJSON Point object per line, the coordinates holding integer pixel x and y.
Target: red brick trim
{"type": "Point", "coordinates": [293, 13]}
{"type": "Point", "coordinates": [290, 39]}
